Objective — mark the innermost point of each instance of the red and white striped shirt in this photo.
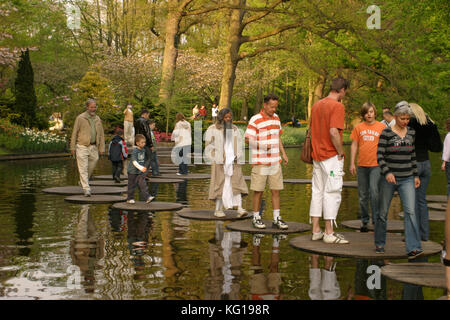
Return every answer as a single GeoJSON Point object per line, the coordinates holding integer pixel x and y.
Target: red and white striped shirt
{"type": "Point", "coordinates": [263, 133]}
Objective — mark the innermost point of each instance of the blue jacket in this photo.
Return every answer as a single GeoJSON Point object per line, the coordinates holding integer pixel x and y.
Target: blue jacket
{"type": "Point", "coordinates": [117, 150]}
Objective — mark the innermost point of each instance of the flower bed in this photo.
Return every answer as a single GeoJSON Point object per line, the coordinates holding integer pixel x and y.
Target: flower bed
{"type": "Point", "coordinates": [23, 140]}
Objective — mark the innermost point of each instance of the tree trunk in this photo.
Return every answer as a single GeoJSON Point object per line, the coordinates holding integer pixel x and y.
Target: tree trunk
{"type": "Point", "coordinates": [315, 92]}
{"type": "Point", "coordinates": [244, 111]}
{"type": "Point", "coordinates": [259, 99]}
{"type": "Point", "coordinates": [232, 55]}
{"type": "Point", "coordinates": [170, 57]}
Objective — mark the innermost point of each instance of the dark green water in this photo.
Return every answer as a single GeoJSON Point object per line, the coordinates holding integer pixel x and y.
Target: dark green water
{"type": "Point", "coordinates": [47, 244]}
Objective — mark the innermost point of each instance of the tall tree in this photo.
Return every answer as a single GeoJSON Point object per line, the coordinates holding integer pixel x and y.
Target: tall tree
{"type": "Point", "coordinates": [26, 102]}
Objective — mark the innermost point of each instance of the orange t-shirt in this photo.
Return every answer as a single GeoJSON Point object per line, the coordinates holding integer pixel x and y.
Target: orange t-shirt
{"type": "Point", "coordinates": [367, 136]}
{"type": "Point", "coordinates": [326, 113]}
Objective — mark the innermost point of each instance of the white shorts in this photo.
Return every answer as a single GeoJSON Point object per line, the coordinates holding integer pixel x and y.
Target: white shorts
{"type": "Point", "coordinates": [327, 184]}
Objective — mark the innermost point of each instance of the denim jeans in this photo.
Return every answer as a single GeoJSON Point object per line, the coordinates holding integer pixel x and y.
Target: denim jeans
{"type": "Point", "coordinates": [421, 202]}
{"type": "Point", "coordinates": [447, 172]}
{"type": "Point", "coordinates": [368, 192]}
{"type": "Point", "coordinates": [405, 188]}
{"type": "Point", "coordinates": [183, 159]}
{"type": "Point", "coordinates": [154, 163]}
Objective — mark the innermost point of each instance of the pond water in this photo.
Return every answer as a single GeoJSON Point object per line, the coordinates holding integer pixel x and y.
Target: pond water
{"type": "Point", "coordinates": [51, 249]}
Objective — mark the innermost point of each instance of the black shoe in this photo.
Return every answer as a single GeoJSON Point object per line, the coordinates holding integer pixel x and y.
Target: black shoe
{"type": "Point", "coordinates": [364, 228]}
{"type": "Point", "coordinates": [379, 250]}
{"type": "Point", "coordinates": [117, 180]}
{"type": "Point", "coordinates": [414, 254]}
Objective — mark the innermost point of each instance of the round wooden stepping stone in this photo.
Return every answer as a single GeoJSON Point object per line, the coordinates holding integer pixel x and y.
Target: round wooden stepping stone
{"type": "Point", "coordinates": [108, 183]}
{"type": "Point", "coordinates": [392, 225]}
{"type": "Point", "coordinates": [432, 215]}
{"type": "Point", "coordinates": [422, 274]}
{"type": "Point", "coordinates": [209, 215]}
{"type": "Point", "coordinates": [189, 176]}
{"type": "Point", "coordinates": [443, 298]}
{"type": "Point", "coordinates": [152, 206]}
{"type": "Point", "coordinates": [436, 198]}
{"type": "Point", "coordinates": [361, 246]}
{"type": "Point", "coordinates": [74, 190]}
{"type": "Point", "coordinates": [109, 177]}
{"type": "Point", "coordinates": [347, 184]}
{"type": "Point", "coordinates": [247, 226]}
{"type": "Point", "coordinates": [100, 198]}
{"type": "Point", "coordinates": [164, 180]}
{"type": "Point", "coordinates": [438, 206]}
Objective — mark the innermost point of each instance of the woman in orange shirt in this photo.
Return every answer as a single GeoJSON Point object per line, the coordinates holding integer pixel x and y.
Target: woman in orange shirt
{"type": "Point", "coordinates": [365, 137]}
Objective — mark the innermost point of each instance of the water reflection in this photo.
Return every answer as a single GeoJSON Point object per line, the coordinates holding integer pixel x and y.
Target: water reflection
{"type": "Point", "coordinates": [87, 248]}
{"type": "Point", "coordinates": [265, 286]}
{"type": "Point", "coordinates": [139, 228]}
{"type": "Point", "coordinates": [367, 288]}
{"type": "Point", "coordinates": [181, 193]}
{"type": "Point", "coordinates": [323, 284]}
{"type": "Point", "coordinates": [226, 251]}
{"type": "Point", "coordinates": [25, 206]}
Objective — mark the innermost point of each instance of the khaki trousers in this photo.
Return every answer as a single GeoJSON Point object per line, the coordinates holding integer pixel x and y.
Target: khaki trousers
{"type": "Point", "coordinates": [87, 158]}
{"type": "Point", "coordinates": [128, 130]}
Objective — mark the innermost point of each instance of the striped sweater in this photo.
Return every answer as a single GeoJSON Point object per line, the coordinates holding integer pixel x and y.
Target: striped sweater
{"type": "Point", "coordinates": [397, 155]}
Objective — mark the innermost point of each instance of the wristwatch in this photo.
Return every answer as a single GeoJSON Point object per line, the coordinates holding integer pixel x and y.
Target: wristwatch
{"type": "Point", "coordinates": [341, 155]}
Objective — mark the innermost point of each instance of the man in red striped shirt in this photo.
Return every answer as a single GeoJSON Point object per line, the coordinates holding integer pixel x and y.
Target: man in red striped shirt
{"type": "Point", "coordinates": [264, 137]}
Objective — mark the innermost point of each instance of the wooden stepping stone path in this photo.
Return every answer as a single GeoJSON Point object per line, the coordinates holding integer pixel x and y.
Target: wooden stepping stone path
{"type": "Point", "coordinates": [422, 274]}
{"type": "Point", "coordinates": [392, 225]}
{"type": "Point", "coordinates": [347, 184]}
{"type": "Point", "coordinates": [438, 206]}
{"type": "Point", "coordinates": [96, 199]}
{"type": "Point", "coordinates": [148, 207]}
{"type": "Point", "coordinates": [361, 246]}
{"type": "Point", "coordinates": [109, 177]}
{"type": "Point", "coordinates": [209, 215]}
{"type": "Point", "coordinates": [247, 226]}
{"type": "Point", "coordinates": [108, 183]}
{"type": "Point", "coordinates": [189, 176]}
{"type": "Point", "coordinates": [432, 215]}
{"type": "Point", "coordinates": [75, 190]}
{"type": "Point", "coordinates": [164, 180]}
{"type": "Point", "coordinates": [436, 198]}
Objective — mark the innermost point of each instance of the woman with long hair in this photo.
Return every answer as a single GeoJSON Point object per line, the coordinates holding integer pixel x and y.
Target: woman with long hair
{"type": "Point", "coordinates": [427, 139]}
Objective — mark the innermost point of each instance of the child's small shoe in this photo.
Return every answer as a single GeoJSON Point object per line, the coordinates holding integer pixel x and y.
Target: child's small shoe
{"type": "Point", "coordinates": [150, 199]}
{"type": "Point", "coordinates": [131, 201]}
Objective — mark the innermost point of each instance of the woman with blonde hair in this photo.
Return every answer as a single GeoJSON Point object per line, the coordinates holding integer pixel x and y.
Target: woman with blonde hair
{"type": "Point", "coordinates": [427, 139]}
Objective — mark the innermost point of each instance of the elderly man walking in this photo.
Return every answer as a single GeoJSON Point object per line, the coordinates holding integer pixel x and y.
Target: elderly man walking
{"type": "Point", "coordinates": [327, 124]}
{"type": "Point", "coordinates": [88, 140]}
{"type": "Point", "coordinates": [225, 149]}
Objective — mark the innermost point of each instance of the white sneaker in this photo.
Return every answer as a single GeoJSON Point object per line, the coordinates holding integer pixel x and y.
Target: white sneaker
{"type": "Point", "coordinates": [150, 199]}
{"type": "Point", "coordinates": [317, 236]}
{"type": "Point", "coordinates": [241, 212]}
{"type": "Point", "coordinates": [131, 201]}
{"type": "Point", "coordinates": [334, 238]}
{"type": "Point", "coordinates": [219, 214]}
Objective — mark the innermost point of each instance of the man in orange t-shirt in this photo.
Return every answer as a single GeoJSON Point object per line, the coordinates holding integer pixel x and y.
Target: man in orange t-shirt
{"type": "Point", "coordinates": [327, 124]}
{"type": "Point", "coordinates": [365, 136]}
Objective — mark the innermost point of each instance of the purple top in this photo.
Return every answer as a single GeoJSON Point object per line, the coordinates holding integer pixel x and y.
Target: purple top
{"type": "Point", "coordinates": [446, 152]}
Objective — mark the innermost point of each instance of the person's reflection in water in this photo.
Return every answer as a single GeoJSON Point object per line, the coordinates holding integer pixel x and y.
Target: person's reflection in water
{"type": "Point", "coordinates": [411, 291]}
{"type": "Point", "coordinates": [323, 284]}
{"type": "Point", "coordinates": [139, 226]}
{"type": "Point", "coordinates": [154, 187]}
{"type": "Point", "coordinates": [181, 193]}
{"type": "Point", "coordinates": [362, 274]}
{"type": "Point", "coordinates": [262, 286]}
{"type": "Point", "coordinates": [87, 248]}
{"type": "Point", "coordinates": [118, 221]}
{"type": "Point", "coordinates": [226, 251]}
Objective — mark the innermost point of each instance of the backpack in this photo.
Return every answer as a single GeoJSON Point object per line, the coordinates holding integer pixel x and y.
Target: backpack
{"type": "Point", "coordinates": [115, 150]}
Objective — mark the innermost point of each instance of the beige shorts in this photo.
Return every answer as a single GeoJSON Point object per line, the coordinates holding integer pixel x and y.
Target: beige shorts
{"type": "Point", "coordinates": [263, 173]}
